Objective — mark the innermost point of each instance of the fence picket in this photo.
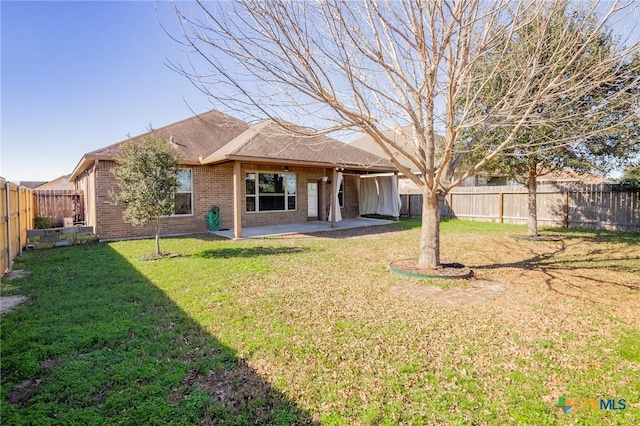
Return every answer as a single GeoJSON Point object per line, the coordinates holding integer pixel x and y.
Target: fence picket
{"type": "Point", "coordinates": [600, 206]}
{"type": "Point", "coordinates": [58, 204]}
{"type": "Point", "coordinates": [16, 216]}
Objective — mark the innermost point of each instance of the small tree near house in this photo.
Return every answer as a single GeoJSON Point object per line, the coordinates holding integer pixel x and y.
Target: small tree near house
{"type": "Point", "coordinates": [147, 173]}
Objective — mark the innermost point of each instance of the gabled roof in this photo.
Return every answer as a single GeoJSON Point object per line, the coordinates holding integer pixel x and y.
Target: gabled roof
{"type": "Point", "coordinates": [193, 137]}
{"type": "Point", "coordinates": [285, 142]}
{"type": "Point", "coordinates": [214, 137]}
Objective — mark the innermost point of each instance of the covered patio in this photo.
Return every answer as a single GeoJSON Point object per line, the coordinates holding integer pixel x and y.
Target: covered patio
{"type": "Point", "coordinates": [304, 228]}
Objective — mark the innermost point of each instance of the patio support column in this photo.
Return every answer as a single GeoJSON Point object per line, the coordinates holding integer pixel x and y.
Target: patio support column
{"type": "Point", "coordinates": [397, 218]}
{"type": "Point", "coordinates": [237, 201]}
{"type": "Point", "coordinates": [334, 191]}
{"type": "Point", "coordinates": [322, 194]}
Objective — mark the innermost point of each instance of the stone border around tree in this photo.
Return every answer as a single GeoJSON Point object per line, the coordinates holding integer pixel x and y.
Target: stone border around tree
{"type": "Point", "coordinates": [448, 271]}
{"type": "Point", "coordinates": [535, 238]}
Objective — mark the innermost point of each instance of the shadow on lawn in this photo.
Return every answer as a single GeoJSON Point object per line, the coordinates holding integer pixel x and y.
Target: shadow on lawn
{"type": "Point", "coordinates": [98, 343]}
{"type": "Point", "coordinates": [225, 253]}
{"type": "Point", "coordinates": [594, 235]}
{"type": "Point", "coordinates": [564, 270]}
{"type": "Point", "coordinates": [357, 232]}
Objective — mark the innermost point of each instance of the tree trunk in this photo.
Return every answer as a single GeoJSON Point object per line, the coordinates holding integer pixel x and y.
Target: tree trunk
{"type": "Point", "coordinates": [532, 186]}
{"type": "Point", "coordinates": [429, 256]}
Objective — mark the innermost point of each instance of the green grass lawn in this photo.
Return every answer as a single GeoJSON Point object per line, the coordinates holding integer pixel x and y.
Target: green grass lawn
{"type": "Point", "coordinates": [314, 329]}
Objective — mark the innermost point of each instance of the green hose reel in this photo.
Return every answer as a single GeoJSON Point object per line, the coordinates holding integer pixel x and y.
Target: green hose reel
{"type": "Point", "coordinates": [214, 219]}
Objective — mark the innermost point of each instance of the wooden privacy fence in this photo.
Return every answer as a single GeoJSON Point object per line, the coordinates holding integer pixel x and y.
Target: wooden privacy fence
{"type": "Point", "coordinates": [602, 206]}
{"type": "Point", "coordinates": [58, 204]}
{"type": "Point", "coordinates": [17, 210]}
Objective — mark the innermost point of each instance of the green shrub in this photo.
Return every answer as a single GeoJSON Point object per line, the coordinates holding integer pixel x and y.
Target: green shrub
{"type": "Point", "coordinates": [41, 222]}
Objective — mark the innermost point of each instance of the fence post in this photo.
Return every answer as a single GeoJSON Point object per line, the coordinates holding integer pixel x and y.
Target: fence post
{"type": "Point", "coordinates": [19, 224]}
{"type": "Point", "coordinates": [565, 209]}
{"type": "Point", "coordinates": [450, 209]}
{"type": "Point", "coordinates": [9, 258]}
{"type": "Point", "coordinates": [500, 206]}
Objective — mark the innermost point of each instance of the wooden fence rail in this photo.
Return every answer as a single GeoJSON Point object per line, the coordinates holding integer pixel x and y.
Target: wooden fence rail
{"type": "Point", "coordinates": [59, 204]}
{"type": "Point", "coordinates": [17, 210]}
{"type": "Point", "coordinates": [602, 206]}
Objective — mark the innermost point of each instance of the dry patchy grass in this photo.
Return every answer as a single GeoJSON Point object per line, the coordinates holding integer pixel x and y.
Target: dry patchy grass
{"type": "Point", "coordinates": [322, 320]}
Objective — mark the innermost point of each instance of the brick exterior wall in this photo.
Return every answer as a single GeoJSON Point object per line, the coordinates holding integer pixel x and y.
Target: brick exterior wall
{"type": "Point", "coordinates": [213, 185]}
{"type": "Point", "coordinates": [351, 207]}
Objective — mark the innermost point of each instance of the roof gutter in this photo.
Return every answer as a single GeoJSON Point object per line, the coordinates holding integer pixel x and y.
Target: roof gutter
{"type": "Point", "coordinates": [83, 165]}
{"type": "Point", "coordinates": [278, 161]}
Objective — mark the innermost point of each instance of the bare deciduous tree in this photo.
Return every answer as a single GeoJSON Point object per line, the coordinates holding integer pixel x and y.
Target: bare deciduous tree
{"type": "Point", "coordinates": [380, 65]}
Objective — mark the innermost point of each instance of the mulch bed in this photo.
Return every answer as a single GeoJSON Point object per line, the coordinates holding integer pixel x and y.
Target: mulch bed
{"type": "Point", "coordinates": [410, 268]}
{"type": "Point", "coordinates": [154, 256]}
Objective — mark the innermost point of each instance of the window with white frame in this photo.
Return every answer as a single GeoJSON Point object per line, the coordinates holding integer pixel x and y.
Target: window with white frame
{"type": "Point", "coordinates": [183, 204]}
{"type": "Point", "coordinates": [270, 192]}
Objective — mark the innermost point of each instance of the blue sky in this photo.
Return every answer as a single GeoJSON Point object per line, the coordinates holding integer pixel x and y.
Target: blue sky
{"type": "Point", "coordinates": [77, 76]}
{"type": "Point", "coordinates": [80, 75]}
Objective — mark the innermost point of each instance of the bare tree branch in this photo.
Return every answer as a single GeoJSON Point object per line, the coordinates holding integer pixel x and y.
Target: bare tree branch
{"type": "Point", "coordinates": [426, 65]}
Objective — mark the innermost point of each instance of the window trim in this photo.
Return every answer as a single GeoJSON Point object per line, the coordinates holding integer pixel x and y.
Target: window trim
{"type": "Point", "coordinates": [256, 194]}
{"type": "Point", "coordinates": [186, 192]}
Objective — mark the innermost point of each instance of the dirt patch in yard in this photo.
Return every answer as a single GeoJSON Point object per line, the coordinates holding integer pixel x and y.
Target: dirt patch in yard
{"type": "Point", "coordinates": [476, 292]}
{"type": "Point", "coordinates": [236, 390]}
{"type": "Point", "coordinates": [155, 256]}
{"type": "Point", "coordinates": [23, 391]}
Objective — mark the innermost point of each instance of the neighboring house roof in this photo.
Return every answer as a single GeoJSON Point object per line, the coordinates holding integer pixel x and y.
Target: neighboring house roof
{"type": "Point", "coordinates": [285, 142]}
{"type": "Point", "coordinates": [567, 175]}
{"type": "Point", "coordinates": [60, 183]}
{"type": "Point", "coordinates": [32, 183]}
{"type": "Point", "coordinates": [402, 136]}
{"type": "Point", "coordinates": [214, 137]}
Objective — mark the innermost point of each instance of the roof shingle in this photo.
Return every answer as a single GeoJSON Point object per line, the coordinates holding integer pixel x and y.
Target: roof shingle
{"type": "Point", "coordinates": [285, 142]}
{"type": "Point", "coordinates": [215, 137]}
{"type": "Point", "coordinates": [194, 137]}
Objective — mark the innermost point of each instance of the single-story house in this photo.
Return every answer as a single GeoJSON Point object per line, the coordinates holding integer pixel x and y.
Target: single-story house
{"type": "Point", "coordinates": [260, 175]}
{"type": "Point", "coordinates": [61, 183]}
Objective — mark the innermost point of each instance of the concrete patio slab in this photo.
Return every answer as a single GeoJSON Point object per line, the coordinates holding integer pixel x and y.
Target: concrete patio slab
{"type": "Point", "coordinates": [9, 302]}
{"type": "Point", "coordinates": [304, 228]}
